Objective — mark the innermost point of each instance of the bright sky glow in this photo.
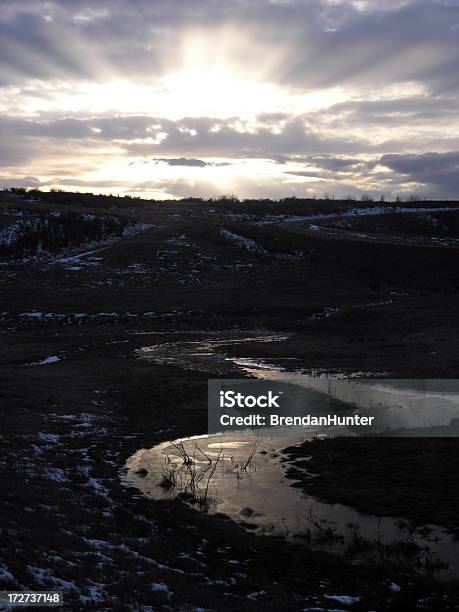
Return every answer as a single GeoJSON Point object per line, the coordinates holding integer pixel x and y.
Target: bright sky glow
{"type": "Point", "coordinates": [264, 98]}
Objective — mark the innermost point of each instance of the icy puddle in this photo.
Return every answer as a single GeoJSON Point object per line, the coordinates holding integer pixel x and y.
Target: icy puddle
{"type": "Point", "coordinates": [242, 474]}
{"type": "Point", "coordinates": [263, 500]}
{"type": "Point", "coordinates": [397, 404]}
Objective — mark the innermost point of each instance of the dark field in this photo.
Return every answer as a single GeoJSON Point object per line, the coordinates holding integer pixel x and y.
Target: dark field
{"type": "Point", "coordinates": [194, 271]}
{"type": "Point", "coordinates": [415, 479]}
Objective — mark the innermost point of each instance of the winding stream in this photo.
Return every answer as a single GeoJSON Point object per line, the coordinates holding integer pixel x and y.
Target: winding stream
{"type": "Point", "coordinates": [257, 494]}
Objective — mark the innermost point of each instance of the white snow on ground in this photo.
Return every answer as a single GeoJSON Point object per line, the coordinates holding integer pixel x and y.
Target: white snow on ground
{"type": "Point", "coordinates": [48, 437]}
{"type": "Point", "coordinates": [132, 553]}
{"type": "Point", "coordinates": [10, 234]}
{"type": "Point", "coordinates": [128, 232]}
{"type": "Point", "coordinates": [41, 575]}
{"type": "Point", "coordinates": [323, 610]}
{"type": "Point", "coordinates": [45, 361]}
{"type": "Point", "coordinates": [182, 240]}
{"type": "Point", "coordinates": [161, 588]}
{"type": "Point", "coordinates": [232, 216]}
{"type": "Point", "coordinates": [254, 595]}
{"type": "Point", "coordinates": [38, 572]}
{"type": "Point", "coordinates": [81, 316]}
{"type": "Point", "coordinates": [98, 487]}
{"type": "Point", "coordinates": [347, 600]}
{"type": "Point", "coordinates": [96, 590]}
{"type": "Point", "coordinates": [246, 243]}
{"type": "Point", "coordinates": [326, 313]}
{"type": "Point", "coordinates": [56, 474]}
{"type": "Point", "coordinates": [358, 212]}
{"type": "Point", "coordinates": [76, 258]}
{"type": "Point", "coordinates": [5, 574]}
{"type": "Point", "coordinates": [13, 212]}
{"type": "Point", "coordinates": [138, 228]}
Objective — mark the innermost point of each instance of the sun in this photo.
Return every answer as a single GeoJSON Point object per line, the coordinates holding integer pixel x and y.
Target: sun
{"type": "Point", "coordinates": [223, 72]}
{"type": "Point", "coordinates": [216, 93]}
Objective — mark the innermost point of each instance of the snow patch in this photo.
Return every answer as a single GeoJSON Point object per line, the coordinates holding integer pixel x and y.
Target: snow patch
{"type": "Point", "coordinates": [56, 474]}
{"type": "Point", "coordinates": [35, 314]}
{"type": "Point", "coordinates": [347, 600]}
{"type": "Point", "coordinates": [253, 596]}
{"type": "Point", "coordinates": [48, 437]}
{"type": "Point", "coordinates": [45, 361]}
{"type": "Point", "coordinates": [160, 587]}
{"type": "Point", "coordinates": [246, 243]}
{"type": "Point", "coordinates": [10, 234]}
{"type": "Point", "coordinates": [5, 574]}
{"type": "Point", "coordinates": [326, 313]}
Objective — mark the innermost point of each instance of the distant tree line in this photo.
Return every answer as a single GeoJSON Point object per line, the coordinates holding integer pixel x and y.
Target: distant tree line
{"type": "Point", "coordinates": [295, 205]}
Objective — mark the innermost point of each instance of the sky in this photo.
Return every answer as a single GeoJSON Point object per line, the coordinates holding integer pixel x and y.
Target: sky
{"type": "Point", "coordinates": [257, 98]}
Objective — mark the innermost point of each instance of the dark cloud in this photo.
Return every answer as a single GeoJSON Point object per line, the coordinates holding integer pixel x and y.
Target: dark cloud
{"type": "Point", "coordinates": [182, 161]}
{"type": "Point", "coordinates": [439, 171]}
{"type": "Point", "coordinates": [33, 48]}
{"type": "Point", "coordinates": [24, 181]}
{"type": "Point", "coordinates": [403, 112]}
{"type": "Point", "coordinates": [430, 174]}
{"type": "Point", "coordinates": [319, 43]}
{"type": "Point", "coordinates": [335, 169]}
{"type": "Point", "coordinates": [12, 127]}
{"type": "Point", "coordinates": [223, 138]}
{"type": "Point", "coordinates": [337, 164]}
{"type": "Point", "coordinates": [204, 135]}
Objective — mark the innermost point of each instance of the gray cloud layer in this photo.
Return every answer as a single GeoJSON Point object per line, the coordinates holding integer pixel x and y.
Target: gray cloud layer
{"type": "Point", "coordinates": [397, 61]}
{"type": "Point", "coordinates": [323, 43]}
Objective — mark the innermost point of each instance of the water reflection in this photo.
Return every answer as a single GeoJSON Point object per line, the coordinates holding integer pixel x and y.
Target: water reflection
{"type": "Point", "coordinates": [396, 403]}
{"type": "Point", "coordinates": [263, 500]}
{"type": "Point", "coordinates": [213, 472]}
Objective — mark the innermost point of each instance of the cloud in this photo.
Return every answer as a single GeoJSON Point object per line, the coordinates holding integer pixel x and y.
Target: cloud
{"type": "Point", "coordinates": [336, 164]}
{"type": "Point", "coordinates": [227, 138]}
{"type": "Point", "coordinates": [16, 153]}
{"type": "Point", "coordinates": [349, 92]}
{"type": "Point", "coordinates": [312, 44]}
{"type": "Point", "coordinates": [182, 161]}
{"type": "Point", "coordinates": [23, 181]}
{"type": "Point", "coordinates": [438, 171]}
{"type": "Point", "coordinates": [200, 134]}
{"type": "Point", "coordinates": [203, 136]}
{"type": "Point", "coordinates": [399, 111]}
{"type": "Point", "coordinates": [178, 188]}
